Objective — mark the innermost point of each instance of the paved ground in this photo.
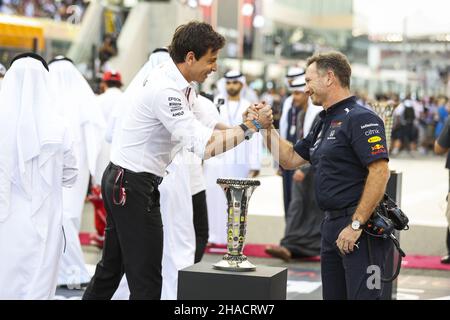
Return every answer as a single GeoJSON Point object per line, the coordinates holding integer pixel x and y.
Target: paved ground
{"type": "Point", "coordinates": [424, 188]}
{"type": "Point", "coordinates": [304, 280]}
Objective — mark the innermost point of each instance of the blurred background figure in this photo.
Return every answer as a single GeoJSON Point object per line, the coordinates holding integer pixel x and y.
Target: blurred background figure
{"type": "Point", "coordinates": [442, 146]}
{"type": "Point", "coordinates": [288, 125]}
{"type": "Point", "coordinates": [36, 161]}
{"type": "Point", "coordinates": [78, 106]}
{"type": "Point", "coordinates": [2, 74]}
{"type": "Point", "coordinates": [110, 95]}
{"type": "Point", "coordinates": [303, 220]}
{"type": "Point", "coordinates": [243, 161]}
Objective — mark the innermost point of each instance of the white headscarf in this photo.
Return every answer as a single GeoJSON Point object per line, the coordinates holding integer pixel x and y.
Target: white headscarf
{"type": "Point", "coordinates": [156, 58]}
{"type": "Point", "coordinates": [77, 104]}
{"type": "Point", "coordinates": [230, 75]}
{"type": "Point", "coordinates": [29, 129]}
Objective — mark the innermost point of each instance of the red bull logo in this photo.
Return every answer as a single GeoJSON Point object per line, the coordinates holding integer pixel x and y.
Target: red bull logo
{"type": "Point", "coordinates": [377, 147]}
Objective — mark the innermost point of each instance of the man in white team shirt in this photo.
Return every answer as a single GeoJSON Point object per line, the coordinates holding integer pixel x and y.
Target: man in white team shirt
{"type": "Point", "coordinates": [153, 129]}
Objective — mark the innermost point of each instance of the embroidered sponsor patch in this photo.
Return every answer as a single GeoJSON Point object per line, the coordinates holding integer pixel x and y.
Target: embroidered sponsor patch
{"type": "Point", "coordinates": [174, 99]}
{"type": "Point", "coordinates": [378, 152]}
{"type": "Point", "coordinates": [176, 114]}
{"type": "Point", "coordinates": [371, 132]}
{"type": "Point", "coordinates": [336, 124]}
{"type": "Point", "coordinates": [374, 139]}
{"type": "Point", "coordinates": [377, 149]}
{"type": "Point", "coordinates": [177, 108]}
{"type": "Point", "coordinates": [331, 135]}
{"type": "Point", "coordinates": [367, 125]}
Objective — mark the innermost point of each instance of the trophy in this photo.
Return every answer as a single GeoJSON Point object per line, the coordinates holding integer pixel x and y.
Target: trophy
{"type": "Point", "coordinates": [386, 113]}
{"type": "Point", "coordinates": [238, 193]}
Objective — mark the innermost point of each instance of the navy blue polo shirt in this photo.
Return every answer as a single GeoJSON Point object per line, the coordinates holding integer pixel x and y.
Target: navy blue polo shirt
{"type": "Point", "coordinates": [346, 139]}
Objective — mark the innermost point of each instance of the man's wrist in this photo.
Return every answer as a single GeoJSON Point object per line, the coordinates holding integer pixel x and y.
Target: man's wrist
{"type": "Point", "coordinates": [250, 125]}
{"type": "Point", "coordinates": [257, 124]}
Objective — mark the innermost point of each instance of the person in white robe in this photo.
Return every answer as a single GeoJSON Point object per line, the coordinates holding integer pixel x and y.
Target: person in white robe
{"type": "Point", "coordinates": [292, 74]}
{"type": "Point", "coordinates": [110, 94]}
{"type": "Point", "coordinates": [2, 74]}
{"type": "Point", "coordinates": [77, 104]}
{"type": "Point", "coordinates": [36, 161]}
{"type": "Point", "coordinates": [244, 161]}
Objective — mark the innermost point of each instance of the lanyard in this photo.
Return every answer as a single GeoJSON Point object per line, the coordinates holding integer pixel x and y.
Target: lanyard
{"type": "Point", "coordinates": [188, 93]}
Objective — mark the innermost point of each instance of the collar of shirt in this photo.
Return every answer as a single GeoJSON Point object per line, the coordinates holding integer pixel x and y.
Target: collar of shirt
{"type": "Point", "coordinates": [175, 74]}
{"type": "Point", "coordinates": [337, 106]}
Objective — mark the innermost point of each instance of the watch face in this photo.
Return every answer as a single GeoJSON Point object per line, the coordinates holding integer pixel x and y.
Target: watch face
{"type": "Point", "coordinates": [355, 225]}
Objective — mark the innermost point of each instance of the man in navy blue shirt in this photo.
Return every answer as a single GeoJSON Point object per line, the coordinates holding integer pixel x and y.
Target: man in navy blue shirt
{"type": "Point", "coordinates": [348, 150]}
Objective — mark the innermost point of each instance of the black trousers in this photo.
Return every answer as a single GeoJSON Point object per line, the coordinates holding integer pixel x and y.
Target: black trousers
{"type": "Point", "coordinates": [352, 276]}
{"type": "Point", "coordinates": [133, 238]}
{"type": "Point", "coordinates": [287, 189]}
{"type": "Point", "coordinates": [200, 224]}
{"type": "Point", "coordinates": [448, 240]}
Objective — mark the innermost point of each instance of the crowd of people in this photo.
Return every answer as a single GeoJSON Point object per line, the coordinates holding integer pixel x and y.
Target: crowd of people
{"type": "Point", "coordinates": [154, 152]}
{"type": "Point", "coordinates": [61, 10]}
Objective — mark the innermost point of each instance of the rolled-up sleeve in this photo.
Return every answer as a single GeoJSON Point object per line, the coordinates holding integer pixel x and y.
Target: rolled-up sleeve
{"type": "Point", "coordinates": [171, 109]}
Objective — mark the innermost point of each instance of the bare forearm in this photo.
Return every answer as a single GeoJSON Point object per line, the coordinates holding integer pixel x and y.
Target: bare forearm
{"type": "Point", "coordinates": [224, 140]}
{"type": "Point", "coordinates": [282, 151]}
{"type": "Point", "coordinates": [373, 192]}
{"type": "Point", "coordinates": [438, 149]}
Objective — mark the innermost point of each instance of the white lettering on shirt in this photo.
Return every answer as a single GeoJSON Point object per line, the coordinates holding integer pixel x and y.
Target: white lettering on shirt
{"type": "Point", "coordinates": [367, 125]}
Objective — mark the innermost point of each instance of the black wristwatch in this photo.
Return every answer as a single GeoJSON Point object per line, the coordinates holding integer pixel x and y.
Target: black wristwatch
{"type": "Point", "coordinates": [247, 132]}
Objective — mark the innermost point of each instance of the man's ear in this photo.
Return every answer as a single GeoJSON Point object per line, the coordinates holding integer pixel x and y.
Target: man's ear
{"type": "Point", "coordinates": [190, 58]}
{"type": "Point", "coordinates": [331, 78]}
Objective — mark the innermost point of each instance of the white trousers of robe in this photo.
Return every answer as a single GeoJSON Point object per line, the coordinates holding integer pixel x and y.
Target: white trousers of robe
{"type": "Point", "coordinates": [179, 232]}
{"type": "Point", "coordinates": [29, 259]}
{"type": "Point", "coordinates": [72, 269]}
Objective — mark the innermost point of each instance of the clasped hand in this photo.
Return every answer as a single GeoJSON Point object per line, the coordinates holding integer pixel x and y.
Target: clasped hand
{"type": "Point", "coordinates": [261, 112]}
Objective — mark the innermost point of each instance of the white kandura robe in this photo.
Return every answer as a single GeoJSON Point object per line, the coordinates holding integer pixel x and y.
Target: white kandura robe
{"type": "Point", "coordinates": [77, 104]}
{"type": "Point", "coordinates": [287, 105]}
{"type": "Point", "coordinates": [106, 102]}
{"type": "Point", "coordinates": [36, 160]}
{"type": "Point", "coordinates": [235, 163]}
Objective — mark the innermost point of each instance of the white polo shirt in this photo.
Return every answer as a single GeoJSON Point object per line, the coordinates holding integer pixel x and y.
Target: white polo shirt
{"type": "Point", "coordinates": [158, 122]}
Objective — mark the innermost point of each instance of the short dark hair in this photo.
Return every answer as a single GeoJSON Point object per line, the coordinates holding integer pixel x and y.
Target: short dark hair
{"type": "Point", "coordinates": [197, 37]}
{"type": "Point", "coordinates": [335, 61]}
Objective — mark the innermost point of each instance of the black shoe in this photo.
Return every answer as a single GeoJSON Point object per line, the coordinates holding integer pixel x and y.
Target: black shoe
{"type": "Point", "coordinates": [279, 252]}
{"type": "Point", "coordinates": [445, 259]}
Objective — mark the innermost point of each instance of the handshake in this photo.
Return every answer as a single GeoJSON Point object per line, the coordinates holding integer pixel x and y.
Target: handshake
{"type": "Point", "coordinates": [260, 112]}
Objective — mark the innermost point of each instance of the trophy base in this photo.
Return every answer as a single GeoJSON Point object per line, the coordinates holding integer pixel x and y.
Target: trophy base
{"type": "Point", "coordinates": [229, 265]}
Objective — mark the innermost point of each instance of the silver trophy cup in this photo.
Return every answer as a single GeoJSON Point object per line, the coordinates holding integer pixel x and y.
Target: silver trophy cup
{"type": "Point", "coordinates": [238, 193]}
{"type": "Point", "coordinates": [386, 113]}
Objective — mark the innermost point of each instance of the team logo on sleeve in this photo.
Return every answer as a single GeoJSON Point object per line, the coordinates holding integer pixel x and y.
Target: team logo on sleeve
{"type": "Point", "coordinates": [374, 139]}
{"type": "Point", "coordinates": [377, 149]}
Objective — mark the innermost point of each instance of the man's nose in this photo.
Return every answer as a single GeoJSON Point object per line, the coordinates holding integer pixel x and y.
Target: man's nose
{"type": "Point", "coordinates": [307, 90]}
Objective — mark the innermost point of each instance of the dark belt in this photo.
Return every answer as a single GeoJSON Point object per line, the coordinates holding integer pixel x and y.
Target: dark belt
{"type": "Point", "coordinates": [145, 175]}
{"type": "Point", "coordinates": [340, 212]}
